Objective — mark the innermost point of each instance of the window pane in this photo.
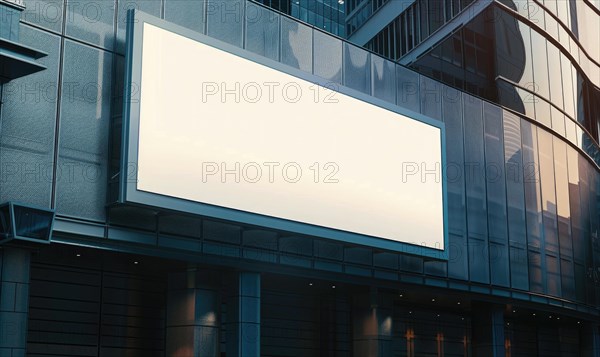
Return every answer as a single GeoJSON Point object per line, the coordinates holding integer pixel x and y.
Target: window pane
{"type": "Point", "coordinates": [436, 14]}
{"type": "Point", "coordinates": [562, 198]}
{"type": "Point", "coordinates": [558, 121]}
{"type": "Point", "coordinates": [579, 250]}
{"type": "Point", "coordinates": [494, 173]}
{"type": "Point", "coordinates": [553, 275]}
{"type": "Point", "coordinates": [540, 70]}
{"type": "Point", "coordinates": [543, 112]}
{"type": "Point", "coordinates": [548, 191]}
{"type": "Point", "coordinates": [519, 271]}
{"type": "Point", "coordinates": [567, 270]}
{"type": "Point", "coordinates": [556, 88]}
{"type": "Point", "coordinates": [514, 179]}
{"type": "Point", "coordinates": [595, 223]}
{"type": "Point", "coordinates": [531, 185]}
{"type": "Point", "coordinates": [584, 196]}
{"type": "Point", "coordinates": [476, 193]}
{"type": "Point", "coordinates": [515, 193]}
{"type": "Point", "coordinates": [527, 80]}
{"type": "Point", "coordinates": [536, 275]}
{"type": "Point", "coordinates": [453, 113]}
{"type": "Point", "coordinates": [496, 193]}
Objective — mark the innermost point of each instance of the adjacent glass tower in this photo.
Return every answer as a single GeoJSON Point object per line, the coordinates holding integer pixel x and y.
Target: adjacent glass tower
{"type": "Point", "coordinates": [328, 15]}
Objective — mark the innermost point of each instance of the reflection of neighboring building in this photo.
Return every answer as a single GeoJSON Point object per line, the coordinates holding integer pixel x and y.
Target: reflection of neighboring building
{"type": "Point", "coordinates": [538, 59]}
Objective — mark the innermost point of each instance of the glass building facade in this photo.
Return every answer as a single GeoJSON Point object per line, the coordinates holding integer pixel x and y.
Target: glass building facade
{"type": "Point", "coordinates": [507, 53]}
{"type": "Point", "coordinates": [359, 11]}
{"type": "Point", "coordinates": [504, 58]}
{"type": "Point", "coordinates": [329, 15]}
{"type": "Point", "coordinates": [421, 19]}
{"type": "Point", "coordinates": [518, 100]}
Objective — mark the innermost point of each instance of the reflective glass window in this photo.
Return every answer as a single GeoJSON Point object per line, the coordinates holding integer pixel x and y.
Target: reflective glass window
{"type": "Point", "coordinates": [540, 70]}
{"type": "Point", "coordinates": [453, 119]}
{"type": "Point", "coordinates": [514, 179]}
{"type": "Point", "coordinates": [543, 112]}
{"type": "Point", "coordinates": [553, 283]}
{"type": "Point", "coordinates": [558, 121]}
{"type": "Point", "coordinates": [499, 272]}
{"type": "Point", "coordinates": [536, 14]}
{"type": "Point", "coordinates": [567, 277]}
{"type": "Point", "coordinates": [528, 99]}
{"type": "Point", "coordinates": [548, 190]}
{"type": "Point", "coordinates": [474, 167]}
{"type": "Point", "coordinates": [551, 25]}
{"type": "Point", "coordinates": [585, 198]}
{"type": "Point", "coordinates": [527, 80]}
{"type": "Point", "coordinates": [496, 194]}
{"type": "Point", "coordinates": [594, 182]}
{"type": "Point", "coordinates": [536, 272]}
{"type": "Point", "coordinates": [531, 184]}
{"type": "Point", "coordinates": [567, 84]}
{"type": "Point", "coordinates": [562, 198]}
{"type": "Point", "coordinates": [571, 131]}
{"type": "Point", "coordinates": [475, 189]}
{"type": "Point", "coordinates": [494, 173]}
{"type": "Point", "coordinates": [519, 270]}
{"type": "Point", "coordinates": [556, 88]}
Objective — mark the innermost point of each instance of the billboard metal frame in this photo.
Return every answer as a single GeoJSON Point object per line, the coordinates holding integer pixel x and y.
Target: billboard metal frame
{"type": "Point", "coordinates": [129, 194]}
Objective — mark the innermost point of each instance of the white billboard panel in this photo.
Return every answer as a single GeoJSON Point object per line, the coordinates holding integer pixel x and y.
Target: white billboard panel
{"type": "Point", "coordinates": [224, 131]}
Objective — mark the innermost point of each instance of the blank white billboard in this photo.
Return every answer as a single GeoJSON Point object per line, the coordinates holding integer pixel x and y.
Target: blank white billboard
{"type": "Point", "coordinates": [221, 130]}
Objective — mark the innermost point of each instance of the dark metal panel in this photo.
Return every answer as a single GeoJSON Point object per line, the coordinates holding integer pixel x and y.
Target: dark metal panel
{"type": "Point", "coordinates": [296, 45]}
{"type": "Point", "coordinates": [357, 63]}
{"type": "Point", "coordinates": [152, 7]}
{"type": "Point", "coordinates": [28, 122]}
{"type": "Point", "coordinates": [452, 109]}
{"type": "Point", "coordinates": [225, 19]}
{"type": "Point", "coordinates": [327, 57]}
{"type": "Point", "coordinates": [47, 14]}
{"type": "Point", "coordinates": [262, 31]}
{"type": "Point", "coordinates": [91, 21]}
{"type": "Point", "coordinates": [85, 304]}
{"type": "Point", "coordinates": [190, 14]}
{"type": "Point", "coordinates": [476, 190]}
{"type": "Point", "coordinates": [84, 122]}
{"type": "Point", "coordinates": [304, 324]}
{"type": "Point", "coordinates": [383, 77]}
